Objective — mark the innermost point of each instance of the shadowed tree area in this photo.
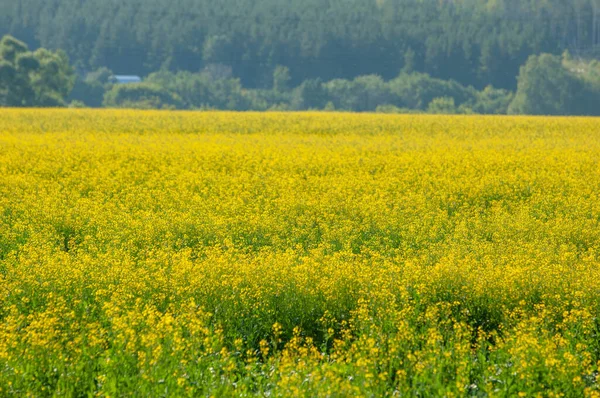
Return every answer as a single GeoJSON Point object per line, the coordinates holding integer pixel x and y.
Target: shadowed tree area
{"type": "Point", "coordinates": [455, 56]}
{"type": "Point", "coordinates": [475, 42]}
{"type": "Point", "coordinates": [39, 78]}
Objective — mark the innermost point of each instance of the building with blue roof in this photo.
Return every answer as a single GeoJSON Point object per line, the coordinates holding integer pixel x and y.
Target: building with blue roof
{"type": "Point", "coordinates": [126, 79]}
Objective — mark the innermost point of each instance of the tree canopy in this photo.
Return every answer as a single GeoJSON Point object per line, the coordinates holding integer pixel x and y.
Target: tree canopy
{"type": "Point", "coordinates": [39, 78]}
{"type": "Point", "coordinates": [474, 42]}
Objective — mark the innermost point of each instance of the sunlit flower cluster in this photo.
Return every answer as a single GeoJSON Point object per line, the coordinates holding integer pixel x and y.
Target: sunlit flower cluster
{"type": "Point", "coordinates": [218, 254]}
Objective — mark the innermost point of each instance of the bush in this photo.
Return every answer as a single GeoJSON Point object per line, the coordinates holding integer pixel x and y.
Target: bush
{"type": "Point", "coordinates": [364, 93]}
{"type": "Point", "coordinates": [201, 90]}
{"type": "Point", "coordinates": [418, 90]}
{"type": "Point", "coordinates": [91, 89]}
{"type": "Point", "coordinates": [41, 78]}
{"type": "Point", "coordinates": [310, 94]}
{"type": "Point", "coordinates": [490, 101]}
{"type": "Point", "coordinates": [442, 106]}
{"type": "Point", "coordinates": [141, 96]}
{"type": "Point", "coordinates": [546, 87]}
{"type": "Point", "coordinates": [76, 104]}
{"type": "Point", "coordinates": [387, 108]}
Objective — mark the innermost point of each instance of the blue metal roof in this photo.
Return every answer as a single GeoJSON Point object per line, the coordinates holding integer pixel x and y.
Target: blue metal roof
{"type": "Point", "coordinates": [121, 79]}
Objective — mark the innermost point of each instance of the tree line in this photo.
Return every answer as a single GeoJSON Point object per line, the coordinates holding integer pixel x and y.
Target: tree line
{"type": "Point", "coordinates": [474, 42]}
{"type": "Point", "coordinates": [547, 85]}
{"type": "Point", "coordinates": [563, 84]}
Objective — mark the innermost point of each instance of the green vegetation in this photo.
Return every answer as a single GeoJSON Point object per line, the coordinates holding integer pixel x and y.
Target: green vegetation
{"type": "Point", "coordinates": [485, 56]}
{"type": "Point", "coordinates": [475, 42]}
{"type": "Point", "coordinates": [548, 85]}
{"type": "Point", "coordinates": [39, 78]}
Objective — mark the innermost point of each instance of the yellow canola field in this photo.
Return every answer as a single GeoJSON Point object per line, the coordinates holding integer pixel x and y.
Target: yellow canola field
{"type": "Point", "coordinates": [307, 254]}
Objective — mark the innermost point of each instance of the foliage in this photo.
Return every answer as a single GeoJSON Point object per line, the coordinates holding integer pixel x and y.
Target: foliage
{"type": "Point", "coordinates": [417, 90]}
{"type": "Point", "coordinates": [412, 92]}
{"type": "Point", "coordinates": [277, 254]}
{"type": "Point", "coordinates": [546, 87]}
{"type": "Point", "coordinates": [474, 42]}
{"type": "Point", "coordinates": [91, 89]}
{"type": "Point", "coordinates": [39, 78]}
{"type": "Point", "coordinates": [387, 108]}
{"type": "Point", "coordinates": [490, 101]}
{"type": "Point", "coordinates": [310, 94]}
{"type": "Point", "coordinates": [361, 94]}
{"type": "Point", "coordinates": [442, 105]}
{"type": "Point", "coordinates": [140, 96]}
{"type": "Point", "coordinates": [281, 79]}
{"type": "Point", "coordinates": [201, 90]}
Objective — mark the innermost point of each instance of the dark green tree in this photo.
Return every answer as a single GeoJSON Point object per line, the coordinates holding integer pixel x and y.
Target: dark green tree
{"type": "Point", "coordinates": [442, 106]}
{"type": "Point", "coordinates": [53, 80]}
{"type": "Point", "coordinates": [310, 95]}
{"type": "Point", "coordinates": [474, 42]}
{"type": "Point", "coordinates": [16, 66]}
{"type": "Point", "coordinates": [281, 79]}
{"type": "Point", "coordinates": [417, 90]}
{"type": "Point", "coordinates": [91, 89]}
{"type": "Point", "coordinates": [546, 87]}
{"type": "Point", "coordinates": [40, 78]}
{"type": "Point", "coordinates": [490, 101]}
{"type": "Point", "coordinates": [141, 96]}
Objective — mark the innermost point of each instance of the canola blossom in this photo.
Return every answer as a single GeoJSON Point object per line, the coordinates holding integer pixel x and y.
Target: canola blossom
{"type": "Point", "coordinates": [149, 253]}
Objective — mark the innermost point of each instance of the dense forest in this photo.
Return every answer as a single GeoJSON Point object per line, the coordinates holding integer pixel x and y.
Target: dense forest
{"type": "Point", "coordinates": [343, 54]}
{"type": "Point", "coordinates": [475, 42]}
